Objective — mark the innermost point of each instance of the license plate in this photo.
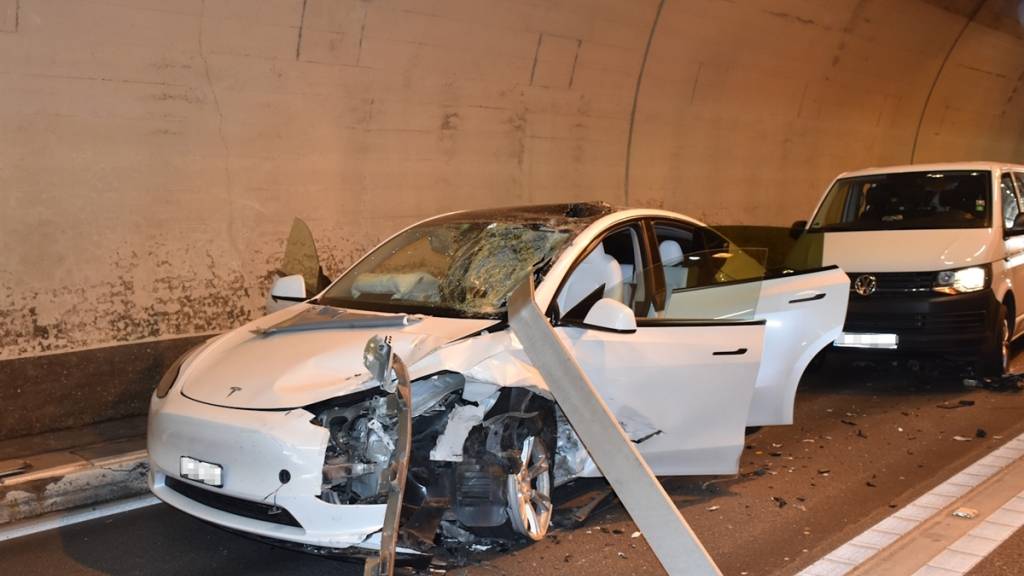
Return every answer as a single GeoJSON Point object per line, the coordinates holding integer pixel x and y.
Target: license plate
{"type": "Point", "coordinates": [879, 341]}
{"type": "Point", "coordinates": [202, 472]}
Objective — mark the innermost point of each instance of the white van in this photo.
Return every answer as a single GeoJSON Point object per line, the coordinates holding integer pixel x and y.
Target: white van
{"type": "Point", "coordinates": [934, 256]}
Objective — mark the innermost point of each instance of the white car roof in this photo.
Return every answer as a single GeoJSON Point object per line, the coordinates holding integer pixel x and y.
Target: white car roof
{"type": "Point", "coordinates": [978, 165]}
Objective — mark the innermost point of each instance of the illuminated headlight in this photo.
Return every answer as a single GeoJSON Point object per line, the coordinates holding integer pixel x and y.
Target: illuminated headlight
{"type": "Point", "coordinates": [960, 281]}
{"type": "Point", "coordinates": [171, 376]}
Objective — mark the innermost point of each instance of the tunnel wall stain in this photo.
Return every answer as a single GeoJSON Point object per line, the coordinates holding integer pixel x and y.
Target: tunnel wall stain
{"type": "Point", "coordinates": [154, 154]}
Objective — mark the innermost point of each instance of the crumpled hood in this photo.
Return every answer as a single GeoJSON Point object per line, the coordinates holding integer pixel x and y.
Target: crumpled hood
{"type": "Point", "coordinates": [253, 369]}
{"type": "Point", "coordinates": [908, 250]}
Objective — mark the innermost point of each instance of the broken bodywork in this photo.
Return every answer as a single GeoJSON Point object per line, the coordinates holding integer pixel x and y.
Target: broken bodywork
{"type": "Point", "coordinates": [302, 430]}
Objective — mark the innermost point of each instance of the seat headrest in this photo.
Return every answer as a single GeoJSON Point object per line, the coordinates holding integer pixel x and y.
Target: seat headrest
{"type": "Point", "coordinates": [671, 252]}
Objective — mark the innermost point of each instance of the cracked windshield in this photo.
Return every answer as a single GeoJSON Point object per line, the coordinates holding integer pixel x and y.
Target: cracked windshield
{"type": "Point", "coordinates": [463, 269]}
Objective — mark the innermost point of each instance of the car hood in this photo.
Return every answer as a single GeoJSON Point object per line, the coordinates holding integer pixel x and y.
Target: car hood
{"type": "Point", "coordinates": [305, 354]}
{"type": "Point", "coordinates": [907, 250]}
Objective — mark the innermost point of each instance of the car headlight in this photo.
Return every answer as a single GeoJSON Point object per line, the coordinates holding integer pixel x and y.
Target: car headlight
{"type": "Point", "coordinates": [960, 281]}
{"type": "Point", "coordinates": [171, 376]}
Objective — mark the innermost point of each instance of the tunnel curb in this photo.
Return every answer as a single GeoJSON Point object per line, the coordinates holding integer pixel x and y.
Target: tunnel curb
{"type": "Point", "coordinates": [71, 482]}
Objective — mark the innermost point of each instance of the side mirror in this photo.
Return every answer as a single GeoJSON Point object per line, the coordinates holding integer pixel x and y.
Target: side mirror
{"type": "Point", "coordinates": [797, 229]}
{"type": "Point", "coordinates": [286, 291]}
{"type": "Point", "coordinates": [610, 314]}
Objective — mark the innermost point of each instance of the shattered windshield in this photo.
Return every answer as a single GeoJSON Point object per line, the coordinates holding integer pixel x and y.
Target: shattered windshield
{"type": "Point", "coordinates": [448, 268]}
{"type": "Point", "coordinates": [904, 201]}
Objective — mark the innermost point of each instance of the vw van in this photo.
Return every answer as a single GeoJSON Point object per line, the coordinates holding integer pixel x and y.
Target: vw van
{"type": "Point", "coordinates": [934, 254]}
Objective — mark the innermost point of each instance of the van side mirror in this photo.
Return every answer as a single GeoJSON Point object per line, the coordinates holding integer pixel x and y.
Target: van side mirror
{"type": "Point", "coordinates": [610, 314]}
{"type": "Point", "coordinates": [286, 291]}
{"type": "Point", "coordinates": [797, 229]}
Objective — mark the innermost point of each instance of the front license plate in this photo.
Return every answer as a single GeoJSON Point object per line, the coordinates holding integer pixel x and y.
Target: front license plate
{"type": "Point", "coordinates": [202, 472]}
{"type": "Point", "coordinates": [882, 341]}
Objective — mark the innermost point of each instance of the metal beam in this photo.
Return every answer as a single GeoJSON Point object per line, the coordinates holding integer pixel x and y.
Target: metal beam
{"type": "Point", "coordinates": [674, 543]}
{"type": "Point", "coordinates": [381, 361]}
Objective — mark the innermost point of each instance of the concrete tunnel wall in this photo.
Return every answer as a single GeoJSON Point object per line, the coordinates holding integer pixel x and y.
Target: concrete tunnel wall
{"type": "Point", "coordinates": [154, 152]}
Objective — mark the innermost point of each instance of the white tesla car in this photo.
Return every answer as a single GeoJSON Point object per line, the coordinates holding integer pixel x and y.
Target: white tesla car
{"type": "Point", "coordinates": [277, 429]}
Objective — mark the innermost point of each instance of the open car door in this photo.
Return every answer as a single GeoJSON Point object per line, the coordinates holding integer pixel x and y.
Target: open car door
{"type": "Point", "coordinates": [680, 386]}
{"type": "Point", "coordinates": [804, 313]}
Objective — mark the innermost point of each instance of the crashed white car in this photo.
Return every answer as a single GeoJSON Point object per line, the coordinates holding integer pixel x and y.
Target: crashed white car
{"type": "Point", "coordinates": [276, 429]}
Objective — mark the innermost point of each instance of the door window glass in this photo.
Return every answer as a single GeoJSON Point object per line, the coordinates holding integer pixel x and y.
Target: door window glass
{"type": "Point", "coordinates": [705, 276]}
{"type": "Point", "coordinates": [1011, 203]}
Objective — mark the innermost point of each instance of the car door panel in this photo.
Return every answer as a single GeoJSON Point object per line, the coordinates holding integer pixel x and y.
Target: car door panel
{"type": "Point", "coordinates": [804, 313]}
{"type": "Point", "coordinates": [681, 391]}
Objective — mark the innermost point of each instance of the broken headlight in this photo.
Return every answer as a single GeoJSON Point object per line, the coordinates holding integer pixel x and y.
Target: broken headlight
{"type": "Point", "coordinates": [363, 433]}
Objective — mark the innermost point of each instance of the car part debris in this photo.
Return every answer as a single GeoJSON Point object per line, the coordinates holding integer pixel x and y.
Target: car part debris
{"type": "Point", "coordinates": [965, 513]}
{"type": "Point", "coordinates": [461, 420]}
{"type": "Point", "coordinates": [673, 542]}
{"type": "Point", "coordinates": [1012, 382]}
{"type": "Point", "coordinates": [381, 362]}
{"type": "Point", "coordinates": [954, 406]}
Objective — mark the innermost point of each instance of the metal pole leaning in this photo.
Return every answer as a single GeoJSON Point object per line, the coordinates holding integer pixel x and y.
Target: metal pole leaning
{"type": "Point", "coordinates": [382, 362]}
{"type": "Point", "coordinates": [674, 543]}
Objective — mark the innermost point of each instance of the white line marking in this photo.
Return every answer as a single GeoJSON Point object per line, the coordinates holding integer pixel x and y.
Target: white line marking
{"type": "Point", "coordinates": [860, 549]}
{"type": "Point", "coordinates": [69, 517]}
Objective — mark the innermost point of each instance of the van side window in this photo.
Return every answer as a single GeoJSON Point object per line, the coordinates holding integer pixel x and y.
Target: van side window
{"type": "Point", "coordinates": [1011, 201]}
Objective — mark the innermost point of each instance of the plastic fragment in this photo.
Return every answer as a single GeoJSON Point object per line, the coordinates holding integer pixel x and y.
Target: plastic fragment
{"type": "Point", "coordinates": [962, 438]}
{"type": "Point", "coordinates": [966, 513]}
{"type": "Point", "coordinates": [712, 508]}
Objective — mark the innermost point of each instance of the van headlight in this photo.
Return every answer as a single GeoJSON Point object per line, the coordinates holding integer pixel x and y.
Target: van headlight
{"type": "Point", "coordinates": [961, 281]}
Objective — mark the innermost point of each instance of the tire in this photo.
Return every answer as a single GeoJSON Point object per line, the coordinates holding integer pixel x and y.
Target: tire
{"type": "Point", "coordinates": [995, 361]}
{"type": "Point", "coordinates": [528, 489]}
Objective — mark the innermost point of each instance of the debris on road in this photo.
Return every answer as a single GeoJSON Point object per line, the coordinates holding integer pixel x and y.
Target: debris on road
{"type": "Point", "coordinates": [849, 422]}
{"type": "Point", "coordinates": [952, 406]}
{"type": "Point", "coordinates": [861, 434]}
{"type": "Point", "coordinates": [712, 508]}
{"type": "Point", "coordinates": [636, 534]}
{"type": "Point", "coordinates": [962, 438]}
{"type": "Point", "coordinates": [966, 513]}
{"type": "Point", "coordinates": [824, 471]}
{"type": "Point", "coordinates": [1014, 382]}
{"type": "Point", "coordinates": [780, 502]}
{"type": "Point", "coordinates": [980, 433]}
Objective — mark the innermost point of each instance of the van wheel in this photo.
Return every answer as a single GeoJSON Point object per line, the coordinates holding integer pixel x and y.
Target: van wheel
{"type": "Point", "coordinates": [996, 361]}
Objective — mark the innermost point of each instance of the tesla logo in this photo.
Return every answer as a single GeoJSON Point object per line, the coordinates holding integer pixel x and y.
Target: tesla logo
{"type": "Point", "coordinates": [232, 390]}
{"type": "Point", "coordinates": [865, 285]}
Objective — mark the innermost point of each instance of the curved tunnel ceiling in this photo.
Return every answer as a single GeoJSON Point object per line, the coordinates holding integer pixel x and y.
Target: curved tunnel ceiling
{"type": "Point", "coordinates": [769, 101]}
{"type": "Point", "coordinates": [154, 153]}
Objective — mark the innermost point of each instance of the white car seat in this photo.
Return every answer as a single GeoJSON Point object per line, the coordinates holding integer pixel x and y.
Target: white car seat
{"type": "Point", "coordinates": [672, 265]}
{"type": "Point", "coordinates": [596, 269]}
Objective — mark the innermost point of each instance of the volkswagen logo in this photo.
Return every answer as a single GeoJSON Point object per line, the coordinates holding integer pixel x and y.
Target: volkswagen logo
{"type": "Point", "coordinates": [865, 285]}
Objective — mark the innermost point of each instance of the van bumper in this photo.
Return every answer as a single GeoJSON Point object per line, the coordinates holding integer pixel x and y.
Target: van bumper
{"type": "Point", "coordinates": [927, 324]}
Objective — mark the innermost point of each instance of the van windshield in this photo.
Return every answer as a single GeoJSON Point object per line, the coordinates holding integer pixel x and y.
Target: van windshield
{"type": "Point", "coordinates": [907, 201]}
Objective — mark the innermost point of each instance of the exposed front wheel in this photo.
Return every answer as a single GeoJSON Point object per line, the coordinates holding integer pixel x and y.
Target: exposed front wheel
{"type": "Point", "coordinates": [529, 490]}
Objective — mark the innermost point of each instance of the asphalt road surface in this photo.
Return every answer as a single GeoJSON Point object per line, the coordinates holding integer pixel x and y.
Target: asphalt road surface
{"type": "Point", "coordinates": [866, 440]}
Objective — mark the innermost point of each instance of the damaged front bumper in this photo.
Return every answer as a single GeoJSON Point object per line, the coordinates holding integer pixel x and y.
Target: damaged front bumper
{"type": "Point", "coordinates": [272, 464]}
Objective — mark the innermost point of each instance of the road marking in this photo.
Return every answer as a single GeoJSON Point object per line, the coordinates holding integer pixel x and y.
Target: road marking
{"type": "Point", "coordinates": [926, 509]}
{"type": "Point", "coordinates": [69, 517]}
